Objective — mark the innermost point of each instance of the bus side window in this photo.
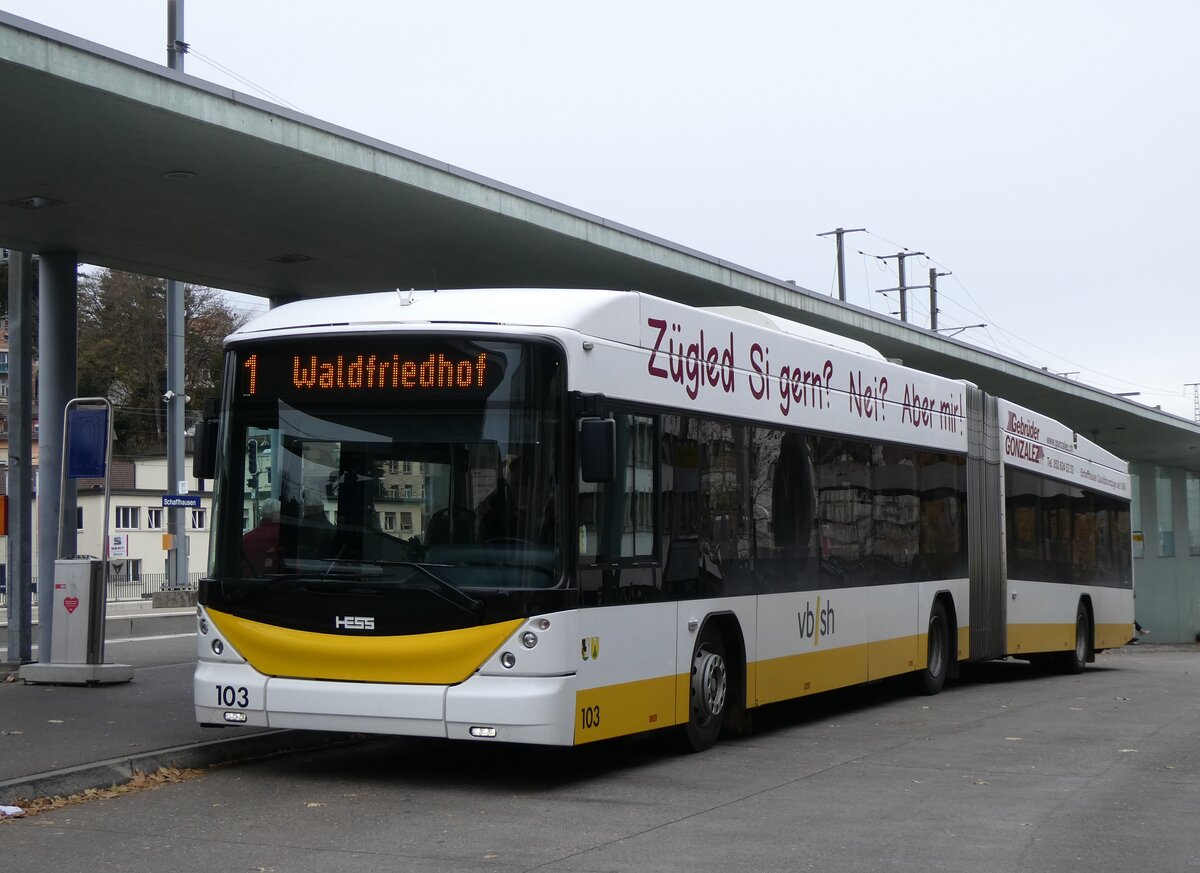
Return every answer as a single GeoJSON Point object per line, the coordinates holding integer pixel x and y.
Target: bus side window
{"type": "Point", "coordinates": [616, 519]}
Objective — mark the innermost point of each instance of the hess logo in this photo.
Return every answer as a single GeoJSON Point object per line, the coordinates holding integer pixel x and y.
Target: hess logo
{"type": "Point", "coordinates": [354, 622]}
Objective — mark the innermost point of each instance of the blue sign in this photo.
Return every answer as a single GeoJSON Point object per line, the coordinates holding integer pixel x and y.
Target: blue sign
{"type": "Point", "coordinates": [171, 500]}
{"type": "Point", "coordinates": [87, 434]}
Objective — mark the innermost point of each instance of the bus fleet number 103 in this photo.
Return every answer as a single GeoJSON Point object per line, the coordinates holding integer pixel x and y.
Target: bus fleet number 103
{"type": "Point", "coordinates": [590, 716]}
{"type": "Point", "coordinates": [227, 695]}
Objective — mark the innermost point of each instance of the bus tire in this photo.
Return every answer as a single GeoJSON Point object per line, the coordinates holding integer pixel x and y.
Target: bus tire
{"type": "Point", "coordinates": [937, 662]}
{"type": "Point", "coordinates": [1074, 661]}
{"type": "Point", "coordinates": [709, 691]}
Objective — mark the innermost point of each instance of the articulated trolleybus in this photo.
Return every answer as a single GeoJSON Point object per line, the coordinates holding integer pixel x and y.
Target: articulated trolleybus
{"type": "Point", "coordinates": [562, 516]}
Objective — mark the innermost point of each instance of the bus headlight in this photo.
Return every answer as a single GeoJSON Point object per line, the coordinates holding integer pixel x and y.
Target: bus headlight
{"type": "Point", "coordinates": [508, 660]}
{"type": "Point", "coordinates": [218, 647]}
{"type": "Point", "coordinates": [529, 639]}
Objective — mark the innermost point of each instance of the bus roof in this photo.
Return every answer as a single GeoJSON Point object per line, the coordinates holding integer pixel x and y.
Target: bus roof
{"type": "Point", "coordinates": [602, 313]}
{"type": "Point", "coordinates": [595, 312]}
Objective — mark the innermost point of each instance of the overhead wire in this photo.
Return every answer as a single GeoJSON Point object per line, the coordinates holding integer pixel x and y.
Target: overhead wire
{"type": "Point", "coordinates": [1003, 341]}
{"type": "Point", "coordinates": [270, 95]}
{"type": "Point", "coordinates": [1019, 346]}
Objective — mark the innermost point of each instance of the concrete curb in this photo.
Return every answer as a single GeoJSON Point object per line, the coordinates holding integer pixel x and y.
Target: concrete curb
{"type": "Point", "coordinates": [115, 771]}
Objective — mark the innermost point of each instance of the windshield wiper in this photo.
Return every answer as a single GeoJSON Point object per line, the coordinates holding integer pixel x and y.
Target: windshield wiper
{"type": "Point", "coordinates": [510, 565]}
{"type": "Point", "coordinates": [260, 585]}
{"type": "Point", "coordinates": [457, 595]}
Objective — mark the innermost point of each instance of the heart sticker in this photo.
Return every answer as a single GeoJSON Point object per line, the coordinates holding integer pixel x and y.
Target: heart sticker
{"type": "Point", "coordinates": [71, 603]}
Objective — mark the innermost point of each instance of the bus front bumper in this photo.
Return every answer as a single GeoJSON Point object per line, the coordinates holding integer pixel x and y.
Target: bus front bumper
{"type": "Point", "coordinates": [513, 709]}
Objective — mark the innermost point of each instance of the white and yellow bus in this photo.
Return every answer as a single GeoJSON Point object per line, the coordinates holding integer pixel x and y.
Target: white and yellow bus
{"type": "Point", "coordinates": [560, 516]}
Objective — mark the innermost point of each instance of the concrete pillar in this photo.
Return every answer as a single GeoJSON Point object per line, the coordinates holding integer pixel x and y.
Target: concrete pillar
{"type": "Point", "coordinates": [20, 458]}
{"type": "Point", "coordinates": [57, 384]}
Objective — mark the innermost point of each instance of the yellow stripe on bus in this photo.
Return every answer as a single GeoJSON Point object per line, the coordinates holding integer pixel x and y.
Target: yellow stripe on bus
{"type": "Point", "coordinates": [827, 670]}
{"type": "Point", "coordinates": [896, 656]}
{"type": "Point", "coordinates": [627, 708]}
{"type": "Point", "coordinates": [1110, 636]}
{"type": "Point", "coordinates": [1030, 638]}
{"type": "Point", "coordinates": [444, 658]}
{"type": "Point", "coordinates": [634, 707]}
{"type": "Point", "coordinates": [797, 675]}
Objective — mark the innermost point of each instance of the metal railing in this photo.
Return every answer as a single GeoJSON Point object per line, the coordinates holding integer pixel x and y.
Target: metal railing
{"type": "Point", "coordinates": [121, 587]}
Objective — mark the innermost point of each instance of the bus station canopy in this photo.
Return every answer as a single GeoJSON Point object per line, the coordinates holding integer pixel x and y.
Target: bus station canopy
{"type": "Point", "coordinates": [136, 167]}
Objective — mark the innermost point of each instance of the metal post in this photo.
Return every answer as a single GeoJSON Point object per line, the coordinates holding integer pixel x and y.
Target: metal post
{"type": "Point", "coordinates": [933, 307]}
{"type": "Point", "coordinates": [57, 344]}
{"type": "Point", "coordinates": [20, 459]}
{"type": "Point", "coordinates": [176, 47]}
{"type": "Point", "coordinates": [904, 286]}
{"type": "Point", "coordinates": [176, 400]}
{"type": "Point", "coordinates": [841, 265]}
{"type": "Point", "coordinates": [933, 274]}
{"type": "Point", "coordinates": [1195, 386]}
{"type": "Point", "coordinates": [841, 257]}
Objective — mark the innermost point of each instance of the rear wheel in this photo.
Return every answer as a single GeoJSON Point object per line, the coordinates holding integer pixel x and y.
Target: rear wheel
{"type": "Point", "coordinates": [937, 661]}
{"type": "Point", "coordinates": [709, 692]}
{"type": "Point", "coordinates": [1075, 660]}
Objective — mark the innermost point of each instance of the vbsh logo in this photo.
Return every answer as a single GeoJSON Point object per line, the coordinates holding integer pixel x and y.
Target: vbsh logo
{"type": "Point", "coordinates": [354, 622]}
{"type": "Point", "coordinates": [816, 624]}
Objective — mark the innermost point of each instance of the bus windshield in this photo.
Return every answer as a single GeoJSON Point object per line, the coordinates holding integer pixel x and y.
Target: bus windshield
{"type": "Point", "coordinates": [389, 462]}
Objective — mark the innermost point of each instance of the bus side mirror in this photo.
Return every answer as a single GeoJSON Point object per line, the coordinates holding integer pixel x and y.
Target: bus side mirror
{"type": "Point", "coordinates": [204, 449]}
{"type": "Point", "coordinates": [204, 443]}
{"type": "Point", "coordinates": [598, 449]}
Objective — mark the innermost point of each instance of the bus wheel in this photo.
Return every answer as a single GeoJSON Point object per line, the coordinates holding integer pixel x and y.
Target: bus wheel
{"type": "Point", "coordinates": [709, 689]}
{"type": "Point", "coordinates": [1074, 660]}
{"type": "Point", "coordinates": [937, 664]}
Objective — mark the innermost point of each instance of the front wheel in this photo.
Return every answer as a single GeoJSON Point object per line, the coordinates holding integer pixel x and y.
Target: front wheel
{"type": "Point", "coordinates": [709, 692]}
{"type": "Point", "coordinates": [937, 661]}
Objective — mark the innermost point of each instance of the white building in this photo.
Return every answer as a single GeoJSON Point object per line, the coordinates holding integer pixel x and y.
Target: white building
{"type": "Point", "coordinates": [136, 513]}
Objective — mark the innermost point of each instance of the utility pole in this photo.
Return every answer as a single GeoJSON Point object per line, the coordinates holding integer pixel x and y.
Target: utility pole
{"type": "Point", "coordinates": [841, 256]}
{"type": "Point", "coordinates": [932, 286]}
{"type": "Point", "coordinates": [933, 309]}
{"type": "Point", "coordinates": [1195, 386]}
{"type": "Point", "coordinates": [175, 396]}
{"type": "Point", "coordinates": [903, 288]}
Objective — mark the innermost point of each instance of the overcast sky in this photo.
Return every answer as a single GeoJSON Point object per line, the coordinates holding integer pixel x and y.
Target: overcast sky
{"type": "Point", "coordinates": [1046, 152]}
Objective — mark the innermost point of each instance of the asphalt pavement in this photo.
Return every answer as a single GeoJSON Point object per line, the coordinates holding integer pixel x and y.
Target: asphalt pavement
{"type": "Point", "coordinates": [1010, 770]}
{"type": "Point", "coordinates": [62, 739]}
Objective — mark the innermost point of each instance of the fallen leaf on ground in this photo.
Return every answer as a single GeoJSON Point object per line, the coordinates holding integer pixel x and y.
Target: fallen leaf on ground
{"type": "Point", "coordinates": [141, 782]}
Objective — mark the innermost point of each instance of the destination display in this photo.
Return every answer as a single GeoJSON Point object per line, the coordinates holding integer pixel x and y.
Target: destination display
{"type": "Point", "coordinates": [358, 368]}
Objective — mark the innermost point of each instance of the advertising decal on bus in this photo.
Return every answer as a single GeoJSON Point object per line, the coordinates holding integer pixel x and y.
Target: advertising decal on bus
{"type": "Point", "coordinates": [1034, 442]}
{"type": "Point", "coordinates": [733, 368]}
